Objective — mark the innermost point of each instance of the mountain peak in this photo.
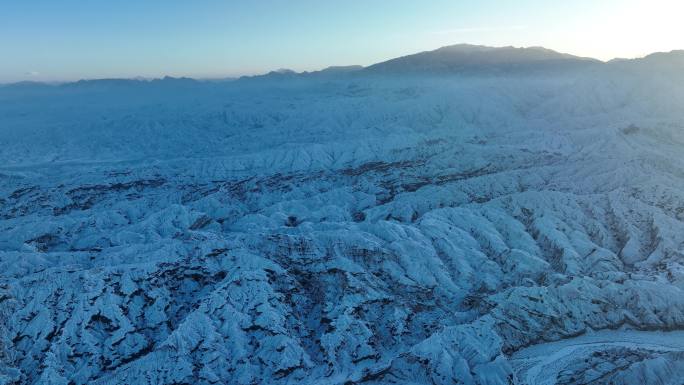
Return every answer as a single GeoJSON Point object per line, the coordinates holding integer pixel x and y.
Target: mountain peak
{"type": "Point", "coordinates": [469, 58]}
{"type": "Point", "coordinates": [341, 69]}
{"type": "Point", "coordinates": [285, 71]}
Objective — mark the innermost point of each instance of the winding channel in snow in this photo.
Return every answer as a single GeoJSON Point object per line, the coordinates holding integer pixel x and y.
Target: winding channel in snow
{"type": "Point", "coordinates": [540, 364]}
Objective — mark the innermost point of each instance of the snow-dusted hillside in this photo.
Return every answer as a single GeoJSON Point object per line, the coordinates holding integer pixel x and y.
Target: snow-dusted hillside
{"type": "Point", "coordinates": [346, 227]}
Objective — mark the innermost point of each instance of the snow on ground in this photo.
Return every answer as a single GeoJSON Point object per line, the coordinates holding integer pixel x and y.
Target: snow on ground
{"type": "Point", "coordinates": [603, 356]}
{"type": "Point", "coordinates": [345, 229]}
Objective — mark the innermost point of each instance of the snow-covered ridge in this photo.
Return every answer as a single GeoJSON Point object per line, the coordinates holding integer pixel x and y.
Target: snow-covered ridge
{"type": "Point", "coordinates": [344, 229]}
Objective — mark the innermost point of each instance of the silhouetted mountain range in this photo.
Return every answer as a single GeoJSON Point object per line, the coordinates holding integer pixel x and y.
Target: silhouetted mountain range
{"type": "Point", "coordinates": [465, 59]}
{"type": "Point", "coordinates": [475, 58]}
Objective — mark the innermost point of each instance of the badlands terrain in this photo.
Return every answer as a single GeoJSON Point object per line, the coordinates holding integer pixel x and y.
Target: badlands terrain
{"type": "Point", "coordinates": [469, 215]}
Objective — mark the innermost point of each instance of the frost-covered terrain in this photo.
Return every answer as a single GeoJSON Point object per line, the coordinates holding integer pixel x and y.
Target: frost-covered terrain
{"type": "Point", "coordinates": [470, 216]}
{"type": "Point", "coordinates": [610, 357]}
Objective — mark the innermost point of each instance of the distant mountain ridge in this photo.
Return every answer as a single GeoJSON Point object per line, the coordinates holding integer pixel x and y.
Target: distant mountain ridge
{"type": "Point", "coordinates": [468, 58]}
{"type": "Point", "coordinates": [452, 59]}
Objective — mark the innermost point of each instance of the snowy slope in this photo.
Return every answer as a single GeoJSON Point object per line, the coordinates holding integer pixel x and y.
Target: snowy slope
{"type": "Point", "coordinates": [345, 229]}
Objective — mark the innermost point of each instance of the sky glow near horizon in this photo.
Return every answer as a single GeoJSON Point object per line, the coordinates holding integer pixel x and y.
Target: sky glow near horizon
{"type": "Point", "coordinates": [46, 40]}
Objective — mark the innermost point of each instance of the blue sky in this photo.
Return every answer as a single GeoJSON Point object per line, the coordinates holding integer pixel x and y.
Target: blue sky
{"type": "Point", "coordinates": [74, 39]}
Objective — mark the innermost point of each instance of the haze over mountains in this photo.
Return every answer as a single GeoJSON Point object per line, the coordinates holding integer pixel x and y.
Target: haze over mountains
{"type": "Point", "coordinates": [474, 59]}
{"type": "Point", "coordinates": [468, 215]}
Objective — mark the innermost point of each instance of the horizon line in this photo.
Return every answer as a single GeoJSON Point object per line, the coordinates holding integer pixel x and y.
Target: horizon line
{"type": "Point", "coordinates": [210, 78]}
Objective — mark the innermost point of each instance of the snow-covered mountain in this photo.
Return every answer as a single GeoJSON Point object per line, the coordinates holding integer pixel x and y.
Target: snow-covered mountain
{"type": "Point", "coordinates": [362, 227]}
